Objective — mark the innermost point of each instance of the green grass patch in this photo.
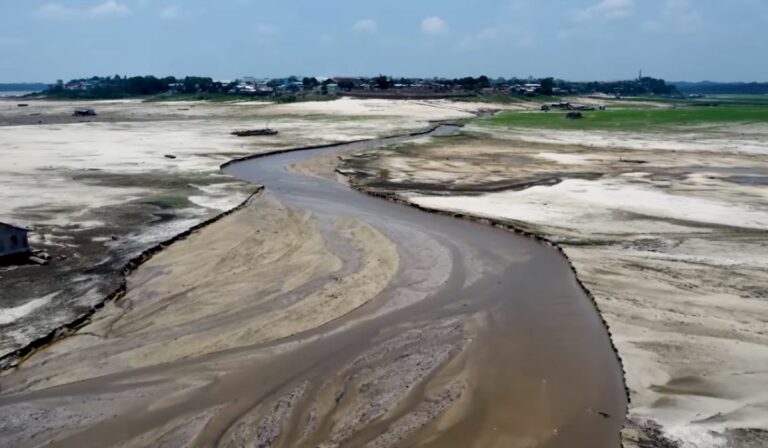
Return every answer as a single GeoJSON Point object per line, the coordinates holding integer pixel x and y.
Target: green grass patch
{"type": "Point", "coordinates": [509, 99]}
{"type": "Point", "coordinates": [632, 119]}
{"type": "Point", "coordinates": [757, 100]}
{"type": "Point", "coordinates": [708, 100]}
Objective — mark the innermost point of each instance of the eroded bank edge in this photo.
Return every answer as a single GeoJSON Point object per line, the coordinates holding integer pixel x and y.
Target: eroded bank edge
{"type": "Point", "coordinates": [651, 432]}
{"type": "Point", "coordinates": [17, 357]}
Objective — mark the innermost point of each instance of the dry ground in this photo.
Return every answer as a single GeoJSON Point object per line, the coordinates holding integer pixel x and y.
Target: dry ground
{"type": "Point", "coordinates": [667, 230]}
{"type": "Point", "coordinates": [96, 191]}
{"type": "Point", "coordinates": [197, 325]}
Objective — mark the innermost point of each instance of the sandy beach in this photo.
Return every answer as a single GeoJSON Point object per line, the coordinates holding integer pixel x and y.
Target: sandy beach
{"type": "Point", "coordinates": [665, 229]}
{"type": "Point", "coordinates": [364, 323]}
{"type": "Point", "coordinates": [98, 191]}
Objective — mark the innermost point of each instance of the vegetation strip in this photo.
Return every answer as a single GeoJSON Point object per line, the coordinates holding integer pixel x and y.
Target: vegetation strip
{"type": "Point", "coordinates": [633, 119]}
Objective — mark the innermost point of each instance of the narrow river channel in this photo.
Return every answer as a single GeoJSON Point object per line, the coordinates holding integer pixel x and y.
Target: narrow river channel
{"type": "Point", "coordinates": [473, 336]}
{"type": "Point", "coordinates": [542, 369]}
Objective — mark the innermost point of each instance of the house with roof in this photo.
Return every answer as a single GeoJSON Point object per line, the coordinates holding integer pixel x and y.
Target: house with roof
{"type": "Point", "coordinates": [13, 240]}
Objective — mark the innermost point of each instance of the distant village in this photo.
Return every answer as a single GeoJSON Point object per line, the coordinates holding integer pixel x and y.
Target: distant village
{"type": "Point", "coordinates": [381, 86]}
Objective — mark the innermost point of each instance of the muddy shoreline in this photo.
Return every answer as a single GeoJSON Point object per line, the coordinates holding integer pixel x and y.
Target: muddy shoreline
{"type": "Point", "coordinates": [453, 390]}
{"type": "Point", "coordinates": [393, 197]}
{"type": "Point", "coordinates": [96, 193]}
{"type": "Point", "coordinates": [669, 249]}
{"type": "Point", "coordinates": [15, 358]}
{"type": "Point", "coordinates": [508, 228]}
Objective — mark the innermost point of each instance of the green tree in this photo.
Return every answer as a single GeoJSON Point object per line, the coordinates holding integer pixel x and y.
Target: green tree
{"type": "Point", "coordinates": [346, 85]}
{"type": "Point", "coordinates": [547, 86]}
{"type": "Point", "coordinates": [382, 82]}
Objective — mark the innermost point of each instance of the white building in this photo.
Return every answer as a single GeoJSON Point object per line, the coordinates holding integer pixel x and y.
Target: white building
{"type": "Point", "coordinates": [13, 240]}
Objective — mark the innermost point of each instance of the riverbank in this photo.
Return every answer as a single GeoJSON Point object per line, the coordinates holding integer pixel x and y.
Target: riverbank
{"type": "Point", "coordinates": [427, 359]}
{"type": "Point", "coordinates": [98, 191]}
{"type": "Point", "coordinates": [668, 241]}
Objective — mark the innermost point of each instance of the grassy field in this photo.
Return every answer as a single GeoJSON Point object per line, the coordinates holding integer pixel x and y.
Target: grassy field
{"type": "Point", "coordinates": [720, 100]}
{"type": "Point", "coordinates": [633, 119]}
{"type": "Point", "coordinates": [737, 99]}
{"type": "Point", "coordinates": [509, 99]}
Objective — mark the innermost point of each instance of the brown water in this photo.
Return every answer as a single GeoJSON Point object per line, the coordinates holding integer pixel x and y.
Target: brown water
{"type": "Point", "coordinates": [543, 362]}
{"type": "Point", "coordinates": [500, 315]}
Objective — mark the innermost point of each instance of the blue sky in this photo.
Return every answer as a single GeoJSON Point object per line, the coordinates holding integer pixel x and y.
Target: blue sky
{"type": "Point", "coordinates": [721, 40]}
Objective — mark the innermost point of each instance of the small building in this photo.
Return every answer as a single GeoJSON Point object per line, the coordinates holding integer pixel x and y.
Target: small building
{"type": "Point", "coordinates": [13, 240]}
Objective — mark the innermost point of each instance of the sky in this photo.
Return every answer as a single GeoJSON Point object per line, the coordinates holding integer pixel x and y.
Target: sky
{"type": "Point", "coordinates": [720, 40]}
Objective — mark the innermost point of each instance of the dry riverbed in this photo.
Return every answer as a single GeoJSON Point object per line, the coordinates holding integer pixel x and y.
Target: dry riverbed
{"type": "Point", "coordinates": [97, 191]}
{"type": "Point", "coordinates": [312, 316]}
{"type": "Point", "coordinates": [666, 229]}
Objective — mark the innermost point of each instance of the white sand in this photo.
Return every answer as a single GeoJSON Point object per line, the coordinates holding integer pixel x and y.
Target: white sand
{"type": "Point", "coordinates": [419, 110]}
{"type": "Point", "coordinates": [8, 315]}
{"type": "Point", "coordinates": [722, 140]}
{"type": "Point", "coordinates": [675, 257]}
{"type": "Point", "coordinates": [588, 205]}
{"type": "Point", "coordinates": [42, 159]}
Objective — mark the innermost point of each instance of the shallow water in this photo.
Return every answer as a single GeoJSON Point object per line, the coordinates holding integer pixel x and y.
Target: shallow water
{"type": "Point", "coordinates": [749, 180]}
{"type": "Point", "coordinates": [500, 315]}
{"type": "Point", "coordinates": [543, 363]}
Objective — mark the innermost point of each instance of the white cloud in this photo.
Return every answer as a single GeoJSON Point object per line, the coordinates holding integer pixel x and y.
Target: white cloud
{"type": "Point", "coordinates": [606, 10]}
{"type": "Point", "coordinates": [677, 16]}
{"type": "Point", "coordinates": [366, 26]}
{"type": "Point", "coordinates": [434, 25]}
{"type": "Point", "coordinates": [107, 9]}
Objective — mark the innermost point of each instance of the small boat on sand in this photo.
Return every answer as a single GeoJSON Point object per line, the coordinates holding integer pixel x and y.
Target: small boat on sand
{"type": "Point", "coordinates": [255, 132]}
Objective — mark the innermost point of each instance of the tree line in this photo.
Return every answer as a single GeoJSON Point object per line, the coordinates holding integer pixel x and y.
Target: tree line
{"type": "Point", "coordinates": [734, 88]}
{"type": "Point", "coordinates": [122, 86]}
